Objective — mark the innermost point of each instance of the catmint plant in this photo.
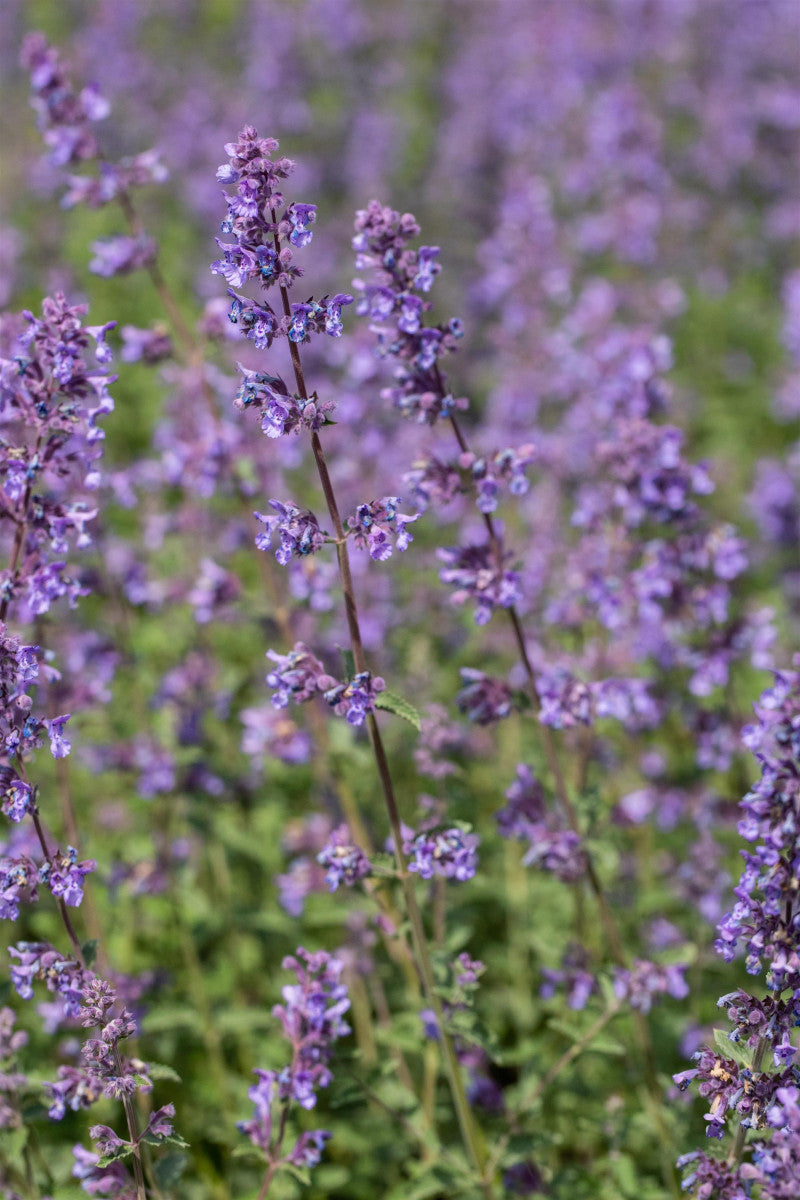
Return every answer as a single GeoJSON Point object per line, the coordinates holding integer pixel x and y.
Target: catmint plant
{"type": "Point", "coordinates": [267, 230]}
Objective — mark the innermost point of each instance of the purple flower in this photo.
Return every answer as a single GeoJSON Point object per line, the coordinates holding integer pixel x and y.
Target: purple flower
{"type": "Point", "coordinates": [113, 1180]}
{"type": "Point", "coordinates": [298, 675]}
{"type": "Point", "coordinates": [344, 862]}
{"type": "Point", "coordinates": [550, 846]}
{"type": "Point", "coordinates": [430, 1025]}
{"type": "Point", "coordinates": [120, 255]}
{"type": "Point", "coordinates": [59, 745]}
{"type": "Point", "coordinates": [474, 572]}
{"type": "Point", "coordinates": [355, 699]}
{"type": "Point", "coordinates": [333, 313]}
{"type": "Point", "coordinates": [40, 960]}
{"type": "Point", "coordinates": [64, 875]}
{"type": "Point", "coordinates": [18, 880]}
{"type": "Point", "coordinates": [298, 531]}
{"type": "Point", "coordinates": [63, 114]}
{"type": "Point", "coordinates": [482, 698]}
{"type": "Point", "coordinates": [301, 216]}
{"type": "Point", "coordinates": [645, 980]}
{"type": "Point", "coordinates": [451, 853]}
{"type": "Point", "coordinates": [427, 267]}
{"type": "Point", "coordinates": [19, 799]}
{"type": "Point", "coordinates": [308, 1148]}
{"type": "Point", "coordinates": [374, 525]}
{"type": "Point", "coordinates": [214, 589]}
{"type": "Point", "coordinates": [145, 345]}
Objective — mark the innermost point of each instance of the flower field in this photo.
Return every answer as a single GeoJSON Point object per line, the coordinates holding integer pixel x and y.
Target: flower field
{"type": "Point", "coordinates": [399, 599]}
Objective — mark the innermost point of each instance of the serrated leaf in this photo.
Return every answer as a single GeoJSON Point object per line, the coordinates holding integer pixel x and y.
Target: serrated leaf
{"type": "Point", "coordinates": [250, 1153]}
{"type": "Point", "coordinates": [173, 1139]}
{"type": "Point", "coordinates": [301, 1174]}
{"type": "Point", "coordinates": [740, 1054]}
{"type": "Point", "coordinates": [391, 702]}
{"type": "Point", "coordinates": [169, 1169]}
{"type": "Point", "coordinates": [158, 1070]}
{"type": "Point", "coordinates": [121, 1152]}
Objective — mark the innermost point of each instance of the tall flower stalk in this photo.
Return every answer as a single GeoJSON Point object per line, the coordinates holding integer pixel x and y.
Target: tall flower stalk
{"type": "Point", "coordinates": [266, 232]}
{"type": "Point", "coordinates": [749, 1077]}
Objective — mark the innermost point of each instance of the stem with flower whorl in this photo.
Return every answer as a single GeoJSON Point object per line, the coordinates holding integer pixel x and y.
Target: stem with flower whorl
{"type": "Point", "coordinates": [472, 1143]}
{"type": "Point", "coordinates": [608, 921]}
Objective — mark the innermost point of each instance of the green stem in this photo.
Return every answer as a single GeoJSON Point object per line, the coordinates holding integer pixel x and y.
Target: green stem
{"type": "Point", "coordinates": [737, 1149]}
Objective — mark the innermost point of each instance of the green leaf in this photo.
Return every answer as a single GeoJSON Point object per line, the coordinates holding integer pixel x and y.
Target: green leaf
{"type": "Point", "coordinates": [602, 1044]}
{"type": "Point", "coordinates": [174, 1139]}
{"type": "Point", "coordinates": [169, 1169]}
{"type": "Point", "coordinates": [391, 702]}
{"type": "Point", "coordinates": [349, 661]}
{"type": "Point", "coordinates": [123, 1151]}
{"type": "Point", "coordinates": [301, 1174]}
{"type": "Point", "coordinates": [250, 1153]}
{"type": "Point", "coordinates": [157, 1070]}
{"type": "Point", "coordinates": [89, 951]}
{"type": "Point", "coordinates": [12, 1145]}
{"type": "Point", "coordinates": [742, 1055]}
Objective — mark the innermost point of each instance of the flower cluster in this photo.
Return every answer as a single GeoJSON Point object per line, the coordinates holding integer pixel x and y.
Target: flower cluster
{"type": "Point", "coordinates": [280, 413]}
{"type": "Point", "coordinates": [395, 311]}
{"type": "Point", "coordinates": [374, 525]}
{"type": "Point", "coordinates": [479, 574]}
{"type": "Point", "coordinates": [450, 853]}
{"type": "Point", "coordinates": [64, 976]}
{"type": "Point", "coordinates": [297, 529]}
{"type": "Point", "coordinates": [65, 118]}
{"type": "Point", "coordinates": [52, 400]}
{"type": "Point", "coordinates": [344, 862]}
{"type": "Point", "coordinates": [764, 921]}
{"type": "Point", "coordinates": [355, 699]}
{"type": "Point", "coordinates": [102, 1172]}
{"type": "Point", "coordinates": [298, 675]}
{"type": "Point", "coordinates": [482, 698]}
{"type": "Point", "coordinates": [645, 980]}
{"type": "Point", "coordinates": [266, 232]}
{"type": "Point", "coordinates": [435, 482]}
{"type": "Point", "coordinates": [567, 701]}
{"type": "Point", "coordinates": [312, 1019]}
{"type": "Point", "coordinates": [103, 1071]}
{"type": "Point", "coordinates": [525, 818]}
